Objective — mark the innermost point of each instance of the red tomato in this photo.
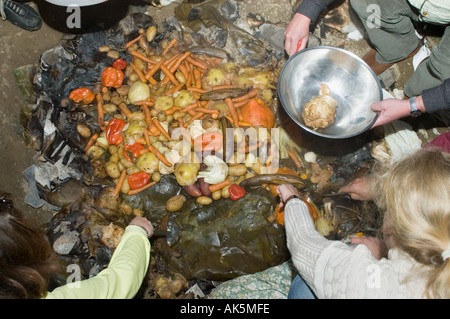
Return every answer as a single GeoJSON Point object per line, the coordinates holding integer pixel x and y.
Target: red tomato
{"type": "Point", "coordinates": [236, 191]}
{"type": "Point", "coordinates": [138, 180]}
{"type": "Point", "coordinates": [114, 131]}
{"type": "Point", "coordinates": [120, 64]}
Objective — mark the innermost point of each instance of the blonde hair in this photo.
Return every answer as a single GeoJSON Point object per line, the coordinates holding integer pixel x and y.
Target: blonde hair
{"type": "Point", "coordinates": [415, 193]}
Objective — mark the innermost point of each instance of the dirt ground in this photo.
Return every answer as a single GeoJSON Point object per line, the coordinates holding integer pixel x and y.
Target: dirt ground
{"type": "Point", "coordinates": [22, 48]}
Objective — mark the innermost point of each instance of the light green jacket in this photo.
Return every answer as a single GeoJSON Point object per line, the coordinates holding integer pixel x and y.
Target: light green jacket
{"type": "Point", "coordinates": [433, 11]}
{"type": "Point", "coordinates": [123, 277]}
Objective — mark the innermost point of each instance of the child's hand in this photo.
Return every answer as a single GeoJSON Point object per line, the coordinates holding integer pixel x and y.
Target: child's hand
{"type": "Point", "coordinates": [144, 223]}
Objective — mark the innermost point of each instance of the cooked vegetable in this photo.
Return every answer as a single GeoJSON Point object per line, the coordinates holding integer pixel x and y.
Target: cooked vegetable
{"type": "Point", "coordinates": [204, 200]}
{"type": "Point", "coordinates": [175, 203]}
{"type": "Point", "coordinates": [83, 95]}
{"type": "Point", "coordinates": [210, 141]}
{"type": "Point", "coordinates": [216, 172]}
{"type": "Point", "coordinates": [148, 162]}
{"type": "Point", "coordinates": [236, 191]}
{"type": "Point", "coordinates": [120, 64]}
{"type": "Point", "coordinates": [186, 173]}
{"type": "Point", "coordinates": [114, 131]}
{"type": "Point", "coordinates": [139, 91]}
{"type": "Point", "coordinates": [138, 180]}
{"type": "Point", "coordinates": [112, 77]}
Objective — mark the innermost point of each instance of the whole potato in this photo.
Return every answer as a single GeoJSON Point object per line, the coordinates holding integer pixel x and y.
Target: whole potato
{"type": "Point", "coordinates": [184, 98]}
{"type": "Point", "coordinates": [163, 102]}
{"type": "Point", "coordinates": [237, 170]}
{"type": "Point", "coordinates": [175, 203]}
{"type": "Point", "coordinates": [112, 169]}
{"type": "Point", "coordinates": [186, 173]}
{"type": "Point", "coordinates": [148, 162]}
{"type": "Point", "coordinates": [204, 200]}
{"type": "Point", "coordinates": [139, 91]}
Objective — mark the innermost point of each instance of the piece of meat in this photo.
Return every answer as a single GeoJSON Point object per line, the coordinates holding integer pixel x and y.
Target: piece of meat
{"type": "Point", "coordinates": [320, 111]}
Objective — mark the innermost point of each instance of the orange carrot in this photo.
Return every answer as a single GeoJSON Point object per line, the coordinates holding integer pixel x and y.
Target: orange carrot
{"type": "Point", "coordinates": [183, 70]}
{"type": "Point", "coordinates": [161, 128]}
{"type": "Point", "coordinates": [132, 192]}
{"type": "Point", "coordinates": [169, 46]}
{"type": "Point", "coordinates": [198, 78]}
{"type": "Point", "coordinates": [148, 119]}
{"type": "Point", "coordinates": [178, 61]}
{"type": "Point", "coordinates": [100, 113]}
{"type": "Point", "coordinates": [221, 87]}
{"type": "Point", "coordinates": [295, 159]}
{"type": "Point", "coordinates": [129, 44]}
{"type": "Point", "coordinates": [159, 155]}
{"type": "Point", "coordinates": [138, 71]}
{"type": "Point", "coordinates": [174, 89]}
{"type": "Point", "coordinates": [198, 90]}
{"type": "Point", "coordinates": [193, 118]}
{"type": "Point", "coordinates": [119, 184]}
{"type": "Point", "coordinates": [172, 110]}
{"type": "Point", "coordinates": [233, 112]}
{"type": "Point", "coordinates": [239, 104]}
{"type": "Point", "coordinates": [142, 57]}
{"type": "Point", "coordinates": [123, 107]}
{"type": "Point", "coordinates": [144, 102]}
{"type": "Point", "coordinates": [197, 62]}
{"type": "Point", "coordinates": [249, 95]}
{"type": "Point", "coordinates": [91, 141]}
{"type": "Point", "coordinates": [214, 113]}
{"type": "Point", "coordinates": [169, 74]}
{"type": "Point", "coordinates": [153, 70]}
{"type": "Point", "coordinates": [216, 187]}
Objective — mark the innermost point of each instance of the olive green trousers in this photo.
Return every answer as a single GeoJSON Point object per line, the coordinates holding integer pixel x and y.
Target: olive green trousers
{"type": "Point", "coordinates": [390, 28]}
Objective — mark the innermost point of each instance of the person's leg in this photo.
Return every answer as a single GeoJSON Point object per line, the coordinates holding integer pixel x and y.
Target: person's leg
{"type": "Point", "coordinates": [433, 71]}
{"type": "Point", "coordinates": [389, 26]}
{"type": "Point", "coordinates": [300, 290]}
{"type": "Point", "coordinates": [20, 14]}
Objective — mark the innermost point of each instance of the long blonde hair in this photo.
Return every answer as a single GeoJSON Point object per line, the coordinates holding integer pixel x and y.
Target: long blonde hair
{"type": "Point", "coordinates": [415, 193]}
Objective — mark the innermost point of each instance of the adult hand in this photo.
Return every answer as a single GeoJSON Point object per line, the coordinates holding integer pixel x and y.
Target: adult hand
{"type": "Point", "coordinates": [390, 110]}
{"type": "Point", "coordinates": [375, 245]}
{"type": "Point", "coordinates": [297, 30]}
{"type": "Point", "coordinates": [144, 223]}
{"type": "Point", "coordinates": [286, 191]}
{"type": "Point", "coordinates": [359, 189]}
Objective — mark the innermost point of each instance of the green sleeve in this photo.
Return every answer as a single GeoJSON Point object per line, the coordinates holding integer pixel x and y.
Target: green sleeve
{"type": "Point", "coordinates": [124, 275]}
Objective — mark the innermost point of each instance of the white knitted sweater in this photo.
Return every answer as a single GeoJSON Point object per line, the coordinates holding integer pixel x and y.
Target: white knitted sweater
{"type": "Point", "coordinates": [334, 270]}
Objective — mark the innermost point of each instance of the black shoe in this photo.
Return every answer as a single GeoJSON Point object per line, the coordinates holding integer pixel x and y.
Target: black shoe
{"type": "Point", "coordinates": [21, 15]}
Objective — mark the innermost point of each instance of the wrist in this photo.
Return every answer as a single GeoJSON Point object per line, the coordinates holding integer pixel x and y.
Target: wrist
{"type": "Point", "coordinates": [420, 105]}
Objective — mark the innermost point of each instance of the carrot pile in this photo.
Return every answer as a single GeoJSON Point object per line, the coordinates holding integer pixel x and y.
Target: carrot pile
{"type": "Point", "coordinates": [166, 70]}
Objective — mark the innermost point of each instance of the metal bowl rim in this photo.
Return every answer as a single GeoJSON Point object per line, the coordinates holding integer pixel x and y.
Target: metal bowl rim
{"type": "Point", "coordinates": [311, 130]}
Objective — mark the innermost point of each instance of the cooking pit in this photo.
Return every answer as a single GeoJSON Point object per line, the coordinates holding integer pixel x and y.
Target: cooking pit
{"type": "Point", "coordinates": [179, 121]}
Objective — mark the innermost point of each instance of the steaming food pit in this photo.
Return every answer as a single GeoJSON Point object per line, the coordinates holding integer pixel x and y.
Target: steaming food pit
{"type": "Point", "coordinates": [179, 121]}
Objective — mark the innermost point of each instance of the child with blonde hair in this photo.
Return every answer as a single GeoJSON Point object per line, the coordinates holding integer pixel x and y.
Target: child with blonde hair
{"type": "Point", "coordinates": [415, 195]}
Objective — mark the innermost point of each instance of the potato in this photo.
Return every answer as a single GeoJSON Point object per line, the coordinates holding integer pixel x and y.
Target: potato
{"type": "Point", "coordinates": [136, 128]}
{"type": "Point", "coordinates": [163, 102]}
{"type": "Point", "coordinates": [139, 91]}
{"type": "Point", "coordinates": [83, 130]}
{"type": "Point", "coordinates": [95, 151]}
{"type": "Point", "coordinates": [214, 77]}
{"type": "Point", "coordinates": [237, 170]}
{"type": "Point", "coordinates": [112, 169]}
{"type": "Point", "coordinates": [184, 98]}
{"type": "Point", "coordinates": [203, 200]}
{"type": "Point", "coordinates": [148, 162]}
{"type": "Point", "coordinates": [217, 194]}
{"type": "Point", "coordinates": [175, 203]}
{"type": "Point", "coordinates": [186, 173]}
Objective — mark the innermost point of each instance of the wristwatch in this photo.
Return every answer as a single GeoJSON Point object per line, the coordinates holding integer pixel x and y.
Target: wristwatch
{"type": "Point", "coordinates": [415, 112]}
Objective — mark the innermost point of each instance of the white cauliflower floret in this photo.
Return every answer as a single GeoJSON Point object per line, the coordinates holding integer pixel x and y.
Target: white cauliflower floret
{"type": "Point", "coordinates": [216, 172]}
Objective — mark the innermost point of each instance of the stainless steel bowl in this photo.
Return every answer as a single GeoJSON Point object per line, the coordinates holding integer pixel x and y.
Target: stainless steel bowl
{"type": "Point", "coordinates": [352, 83]}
